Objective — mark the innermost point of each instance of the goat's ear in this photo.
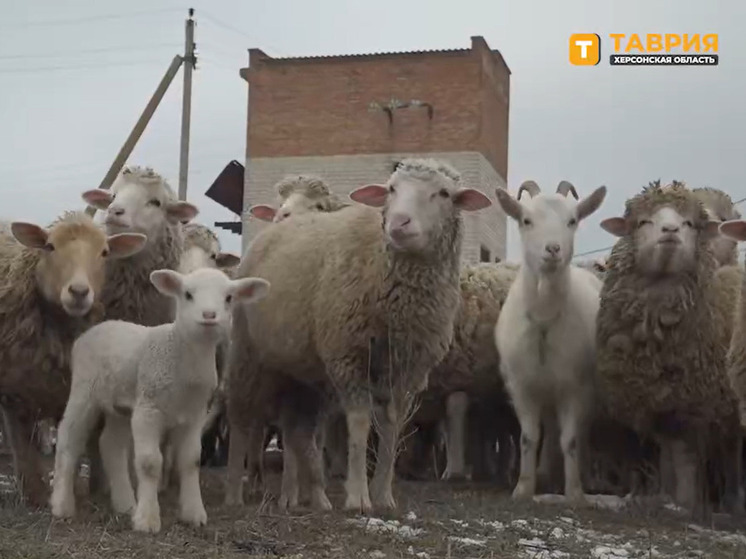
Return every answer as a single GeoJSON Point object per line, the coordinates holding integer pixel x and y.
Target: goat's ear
{"type": "Point", "coordinates": [470, 200]}
{"type": "Point", "coordinates": [510, 205]}
{"type": "Point", "coordinates": [591, 203]}
{"type": "Point", "coordinates": [98, 198]}
{"type": "Point", "coordinates": [262, 212]}
{"type": "Point", "coordinates": [30, 235]}
{"type": "Point", "coordinates": [617, 226]}
{"type": "Point", "coordinates": [250, 290]}
{"type": "Point", "coordinates": [181, 212]}
{"type": "Point", "coordinates": [734, 229]}
{"type": "Point", "coordinates": [370, 195]}
{"type": "Point", "coordinates": [123, 245]}
{"type": "Point", "coordinates": [167, 282]}
{"type": "Point", "coordinates": [226, 259]}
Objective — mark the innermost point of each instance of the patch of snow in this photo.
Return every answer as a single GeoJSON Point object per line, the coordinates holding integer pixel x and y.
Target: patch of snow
{"type": "Point", "coordinates": [410, 516]}
{"type": "Point", "coordinates": [520, 523]}
{"type": "Point", "coordinates": [495, 524]}
{"type": "Point", "coordinates": [468, 541]}
{"type": "Point", "coordinates": [568, 520]}
{"type": "Point", "coordinates": [377, 554]}
{"type": "Point", "coordinates": [383, 526]}
{"type": "Point", "coordinates": [419, 554]}
{"type": "Point", "coordinates": [557, 533]}
{"type": "Point", "coordinates": [674, 508]}
{"type": "Point", "coordinates": [610, 502]}
{"type": "Point", "coordinates": [604, 552]}
{"type": "Point", "coordinates": [461, 523]}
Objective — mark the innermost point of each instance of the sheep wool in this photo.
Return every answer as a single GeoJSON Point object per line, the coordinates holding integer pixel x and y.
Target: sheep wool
{"type": "Point", "coordinates": [661, 347]}
{"type": "Point", "coordinates": [312, 187]}
{"type": "Point", "coordinates": [722, 208]}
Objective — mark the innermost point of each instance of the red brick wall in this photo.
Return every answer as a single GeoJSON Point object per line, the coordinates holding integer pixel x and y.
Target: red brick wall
{"type": "Point", "coordinates": [320, 106]}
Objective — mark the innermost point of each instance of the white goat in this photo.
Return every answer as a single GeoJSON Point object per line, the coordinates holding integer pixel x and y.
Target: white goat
{"type": "Point", "coordinates": [546, 330]}
{"type": "Point", "coordinates": [156, 381]}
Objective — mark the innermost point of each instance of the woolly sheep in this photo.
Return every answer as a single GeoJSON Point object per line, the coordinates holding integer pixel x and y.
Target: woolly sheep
{"type": "Point", "coordinates": [352, 288]}
{"type": "Point", "coordinates": [202, 250]}
{"type": "Point", "coordinates": [546, 330]}
{"type": "Point", "coordinates": [50, 291]}
{"type": "Point", "coordinates": [664, 324]}
{"type": "Point", "coordinates": [155, 383]}
{"type": "Point", "coordinates": [719, 207]}
{"type": "Point", "coordinates": [296, 195]}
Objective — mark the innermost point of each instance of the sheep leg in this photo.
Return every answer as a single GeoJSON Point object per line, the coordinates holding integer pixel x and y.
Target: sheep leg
{"type": "Point", "coordinates": [571, 419]}
{"type": "Point", "coordinates": [289, 487]}
{"type": "Point", "coordinates": [97, 484]}
{"type": "Point", "coordinates": [684, 456]}
{"type": "Point", "coordinates": [356, 485]}
{"type": "Point", "coordinates": [666, 471]}
{"type": "Point", "coordinates": [457, 405]}
{"type": "Point", "coordinates": [529, 416]}
{"type": "Point", "coordinates": [734, 495]}
{"type": "Point", "coordinates": [168, 466]}
{"type": "Point", "coordinates": [187, 446]}
{"type": "Point", "coordinates": [237, 450]}
{"type": "Point", "coordinates": [114, 443]}
{"type": "Point", "coordinates": [26, 457]}
{"type": "Point", "coordinates": [389, 422]}
{"type": "Point", "coordinates": [549, 469]}
{"type": "Point", "coordinates": [146, 432]}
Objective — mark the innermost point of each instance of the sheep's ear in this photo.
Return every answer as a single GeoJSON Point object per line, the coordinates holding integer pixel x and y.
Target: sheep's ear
{"type": "Point", "coordinates": [226, 259]}
{"type": "Point", "coordinates": [510, 205]}
{"type": "Point", "coordinates": [98, 198]}
{"type": "Point", "coordinates": [711, 229]}
{"type": "Point", "coordinates": [591, 203]}
{"type": "Point", "coordinates": [470, 200]}
{"type": "Point", "coordinates": [167, 282]}
{"type": "Point", "coordinates": [250, 290]}
{"type": "Point", "coordinates": [734, 229]}
{"type": "Point", "coordinates": [30, 235]}
{"type": "Point", "coordinates": [617, 226]}
{"type": "Point", "coordinates": [181, 212]}
{"type": "Point", "coordinates": [124, 245]}
{"type": "Point", "coordinates": [370, 195]}
{"type": "Point", "coordinates": [263, 212]}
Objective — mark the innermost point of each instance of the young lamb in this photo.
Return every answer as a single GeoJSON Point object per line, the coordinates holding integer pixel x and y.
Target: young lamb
{"type": "Point", "coordinates": [50, 291]}
{"type": "Point", "coordinates": [365, 295]}
{"type": "Point", "coordinates": [155, 381]}
{"type": "Point", "coordinates": [296, 195]}
{"type": "Point", "coordinates": [546, 331]}
{"type": "Point", "coordinates": [664, 325]}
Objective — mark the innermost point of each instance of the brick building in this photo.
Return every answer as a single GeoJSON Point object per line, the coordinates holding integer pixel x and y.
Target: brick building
{"type": "Point", "coordinates": [350, 118]}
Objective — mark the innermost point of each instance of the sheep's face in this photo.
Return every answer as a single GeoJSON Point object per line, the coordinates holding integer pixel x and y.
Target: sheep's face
{"type": "Point", "coordinates": [142, 207]}
{"type": "Point", "coordinates": [547, 224]}
{"type": "Point", "coordinates": [71, 268]}
{"type": "Point", "coordinates": [297, 204]}
{"type": "Point", "coordinates": [415, 211]}
{"type": "Point", "coordinates": [196, 256]}
{"type": "Point", "coordinates": [719, 208]}
{"type": "Point", "coordinates": [205, 298]}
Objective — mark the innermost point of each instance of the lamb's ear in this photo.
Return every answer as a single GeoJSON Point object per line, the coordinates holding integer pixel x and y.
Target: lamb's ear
{"type": "Point", "coordinates": [98, 198]}
{"type": "Point", "coordinates": [124, 245]}
{"type": "Point", "coordinates": [617, 226]}
{"type": "Point", "coordinates": [711, 229]}
{"type": "Point", "coordinates": [181, 212]}
{"type": "Point", "coordinates": [30, 235]}
{"type": "Point", "coordinates": [510, 205]}
{"type": "Point", "coordinates": [734, 229]}
{"type": "Point", "coordinates": [227, 260]}
{"type": "Point", "coordinates": [370, 195]}
{"type": "Point", "coordinates": [591, 203]}
{"type": "Point", "coordinates": [167, 282]}
{"type": "Point", "coordinates": [250, 290]}
{"type": "Point", "coordinates": [263, 212]}
{"type": "Point", "coordinates": [470, 200]}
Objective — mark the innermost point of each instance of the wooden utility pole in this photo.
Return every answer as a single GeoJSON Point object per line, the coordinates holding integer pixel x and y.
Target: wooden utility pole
{"type": "Point", "coordinates": [190, 62]}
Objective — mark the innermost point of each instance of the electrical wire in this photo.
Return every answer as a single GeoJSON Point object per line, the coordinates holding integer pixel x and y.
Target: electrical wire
{"type": "Point", "coordinates": [228, 27]}
{"type": "Point", "coordinates": [34, 69]}
{"type": "Point", "coordinates": [126, 48]}
{"type": "Point", "coordinates": [74, 21]}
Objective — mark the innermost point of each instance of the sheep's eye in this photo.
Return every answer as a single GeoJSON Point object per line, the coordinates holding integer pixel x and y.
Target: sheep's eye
{"type": "Point", "coordinates": [105, 253]}
{"type": "Point", "coordinates": [49, 247]}
{"type": "Point", "coordinates": [319, 207]}
{"type": "Point", "coordinates": [572, 222]}
{"type": "Point", "coordinates": [391, 189]}
{"type": "Point", "coordinates": [444, 193]}
{"type": "Point", "coordinates": [228, 299]}
{"type": "Point", "coordinates": [526, 221]}
{"type": "Point", "coordinates": [155, 202]}
{"type": "Point", "coordinates": [188, 296]}
{"type": "Point", "coordinates": [214, 256]}
{"type": "Point", "coordinates": [113, 196]}
{"type": "Point", "coordinates": [688, 223]}
{"type": "Point", "coordinates": [644, 222]}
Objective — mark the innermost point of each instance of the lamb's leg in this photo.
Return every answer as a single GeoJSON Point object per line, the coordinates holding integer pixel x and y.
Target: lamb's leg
{"type": "Point", "coordinates": [146, 432]}
{"type": "Point", "coordinates": [289, 488]}
{"type": "Point", "coordinates": [549, 469]}
{"type": "Point", "coordinates": [26, 456]}
{"type": "Point", "coordinates": [685, 460]}
{"type": "Point", "coordinates": [389, 422]}
{"type": "Point", "coordinates": [97, 483]}
{"type": "Point", "coordinates": [238, 446]}
{"type": "Point", "coordinates": [571, 423]}
{"type": "Point", "coordinates": [114, 443]}
{"type": "Point", "coordinates": [356, 485]}
{"type": "Point", "coordinates": [529, 416]}
{"type": "Point", "coordinates": [457, 405]}
{"type": "Point", "coordinates": [187, 443]}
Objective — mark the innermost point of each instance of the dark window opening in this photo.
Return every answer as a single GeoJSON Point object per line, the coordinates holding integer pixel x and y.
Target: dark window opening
{"type": "Point", "coordinates": [484, 254]}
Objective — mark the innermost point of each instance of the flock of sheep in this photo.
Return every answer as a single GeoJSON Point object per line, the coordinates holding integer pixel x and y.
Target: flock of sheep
{"type": "Point", "coordinates": [348, 323]}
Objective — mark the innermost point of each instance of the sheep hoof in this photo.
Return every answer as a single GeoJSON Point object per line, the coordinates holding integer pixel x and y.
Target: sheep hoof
{"type": "Point", "coordinates": [522, 493]}
{"type": "Point", "coordinates": [62, 508]}
{"type": "Point", "coordinates": [286, 502]}
{"type": "Point", "coordinates": [358, 503]}
{"type": "Point", "coordinates": [384, 501]}
{"type": "Point", "coordinates": [146, 521]}
{"type": "Point", "coordinates": [321, 502]}
{"type": "Point", "coordinates": [196, 516]}
{"type": "Point", "coordinates": [453, 476]}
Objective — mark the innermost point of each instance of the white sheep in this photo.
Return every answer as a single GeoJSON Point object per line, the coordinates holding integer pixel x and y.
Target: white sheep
{"type": "Point", "coordinates": [154, 382]}
{"type": "Point", "coordinates": [546, 331]}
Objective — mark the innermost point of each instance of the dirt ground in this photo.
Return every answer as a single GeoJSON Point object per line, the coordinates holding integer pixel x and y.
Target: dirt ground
{"type": "Point", "coordinates": [434, 520]}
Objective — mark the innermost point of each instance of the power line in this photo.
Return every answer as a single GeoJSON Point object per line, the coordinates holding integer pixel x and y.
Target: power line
{"type": "Point", "coordinates": [35, 69]}
{"type": "Point", "coordinates": [228, 27]}
{"type": "Point", "coordinates": [126, 48]}
{"type": "Point", "coordinates": [21, 25]}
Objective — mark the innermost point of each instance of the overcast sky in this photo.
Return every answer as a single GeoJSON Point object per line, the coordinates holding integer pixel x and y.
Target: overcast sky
{"type": "Point", "coordinates": [74, 77]}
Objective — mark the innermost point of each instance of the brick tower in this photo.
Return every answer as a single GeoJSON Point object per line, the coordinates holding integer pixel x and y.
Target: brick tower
{"type": "Point", "coordinates": [351, 118]}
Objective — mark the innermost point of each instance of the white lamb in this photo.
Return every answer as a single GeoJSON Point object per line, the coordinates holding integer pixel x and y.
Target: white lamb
{"type": "Point", "coordinates": [546, 330]}
{"type": "Point", "coordinates": [156, 381]}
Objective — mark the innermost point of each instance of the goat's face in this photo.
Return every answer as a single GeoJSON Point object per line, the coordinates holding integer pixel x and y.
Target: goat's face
{"type": "Point", "coordinates": [547, 223]}
{"type": "Point", "coordinates": [71, 268]}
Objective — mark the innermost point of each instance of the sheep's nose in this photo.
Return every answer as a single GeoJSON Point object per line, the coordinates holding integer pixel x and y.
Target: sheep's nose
{"type": "Point", "coordinates": [670, 228]}
{"type": "Point", "coordinates": [552, 248]}
{"type": "Point", "coordinates": [209, 315]}
{"type": "Point", "coordinates": [400, 221]}
{"type": "Point", "coordinates": [78, 290]}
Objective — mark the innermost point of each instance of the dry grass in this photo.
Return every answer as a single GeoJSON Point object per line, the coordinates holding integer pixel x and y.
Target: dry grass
{"type": "Point", "coordinates": [495, 528]}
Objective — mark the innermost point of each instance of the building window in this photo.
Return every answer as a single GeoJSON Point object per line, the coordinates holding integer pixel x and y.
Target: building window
{"type": "Point", "coordinates": [484, 254]}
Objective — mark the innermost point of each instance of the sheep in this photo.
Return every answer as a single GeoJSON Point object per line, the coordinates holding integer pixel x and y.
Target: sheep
{"type": "Point", "coordinates": [664, 325]}
{"type": "Point", "coordinates": [153, 382]}
{"type": "Point", "coordinates": [358, 291]}
{"type": "Point", "coordinates": [296, 195]}
{"type": "Point", "coordinates": [719, 207]}
{"type": "Point", "coordinates": [546, 329]}
{"type": "Point", "coordinates": [51, 280]}
{"type": "Point", "coordinates": [202, 250]}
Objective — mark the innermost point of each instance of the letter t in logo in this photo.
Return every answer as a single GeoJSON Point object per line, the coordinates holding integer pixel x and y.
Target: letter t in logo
{"type": "Point", "coordinates": [585, 49]}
